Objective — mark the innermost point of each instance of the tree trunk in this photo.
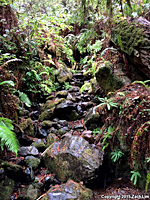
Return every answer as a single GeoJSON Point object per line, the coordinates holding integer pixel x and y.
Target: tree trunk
{"type": "Point", "coordinates": [132, 36]}
{"type": "Point", "coordinates": [11, 36]}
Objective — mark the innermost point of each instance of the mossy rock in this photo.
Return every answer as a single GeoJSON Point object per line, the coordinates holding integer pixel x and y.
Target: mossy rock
{"type": "Point", "coordinates": [32, 161]}
{"type": "Point", "coordinates": [106, 79]}
{"type": "Point", "coordinates": [46, 115]}
{"type": "Point", "coordinates": [74, 158]}
{"type": "Point", "coordinates": [13, 171]}
{"type": "Point", "coordinates": [52, 103]}
{"type": "Point", "coordinates": [69, 191]}
{"type": "Point", "coordinates": [27, 126]}
{"type": "Point", "coordinates": [64, 74]}
{"type": "Point", "coordinates": [29, 192]}
{"type": "Point", "coordinates": [6, 189]}
{"type": "Point", "coordinates": [62, 94]}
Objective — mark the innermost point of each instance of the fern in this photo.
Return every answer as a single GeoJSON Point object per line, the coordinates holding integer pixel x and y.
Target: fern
{"type": "Point", "coordinates": [24, 98]}
{"type": "Point", "coordinates": [7, 136]}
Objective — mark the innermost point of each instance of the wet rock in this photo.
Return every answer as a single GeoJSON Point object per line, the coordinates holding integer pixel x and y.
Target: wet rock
{"type": "Point", "coordinates": [46, 115]}
{"type": "Point", "coordinates": [73, 115]}
{"type": "Point", "coordinates": [32, 161]}
{"type": "Point", "coordinates": [78, 79]}
{"type": "Point", "coordinates": [106, 79]}
{"type": "Point", "coordinates": [86, 97]}
{"type": "Point", "coordinates": [62, 94]}
{"type": "Point", "coordinates": [73, 158]}
{"type": "Point", "coordinates": [41, 133]}
{"type": "Point", "coordinates": [87, 135]}
{"type": "Point", "coordinates": [51, 138]}
{"type": "Point", "coordinates": [29, 150]}
{"type": "Point", "coordinates": [86, 105]}
{"type": "Point", "coordinates": [63, 123]}
{"type": "Point", "coordinates": [34, 115]}
{"type": "Point", "coordinates": [49, 181]}
{"type": "Point", "coordinates": [29, 192]}
{"type": "Point", "coordinates": [6, 188]}
{"type": "Point", "coordinates": [63, 110]}
{"type": "Point", "coordinates": [52, 103]}
{"type": "Point", "coordinates": [70, 97]}
{"type": "Point", "coordinates": [13, 171]}
{"type": "Point", "coordinates": [74, 89]}
{"type": "Point", "coordinates": [27, 126]}
{"type": "Point", "coordinates": [79, 126]}
{"type": "Point", "coordinates": [92, 120]}
{"type": "Point", "coordinates": [70, 190]}
{"type": "Point", "coordinates": [63, 74]}
{"type": "Point", "coordinates": [39, 144]}
{"type": "Point", "coordinates": [28, 175]}
{"type": "Point", "coordinates": [53, 130]}
{"type": "Point", "coordinates": [63, 130]}
{"type": "Point", "coordinates": [79, 109]}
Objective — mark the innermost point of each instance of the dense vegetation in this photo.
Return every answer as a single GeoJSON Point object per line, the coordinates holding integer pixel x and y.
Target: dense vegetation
{"type": "Point", "coordinates": [39, 37]}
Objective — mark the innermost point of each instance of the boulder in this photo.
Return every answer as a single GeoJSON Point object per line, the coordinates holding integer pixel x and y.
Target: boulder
{"type": "Point", "coordinates": [29, 150]}
{"type": "Point", "coordinates": [27, 126]}
{"type": "Point", "coordinates": [107, 79]}
{"type": "Point", "coordinates": [73, 157]}
{"type": "Point", "coordinates": [92, 119]}
{"type": "Point", "coordinates": [29, 192]}
{"type": "Point", "coordinates": [46, 115]}
{"type": "Point", "coordinates": [6, 188]}
{"type": "Point", "coordinates": [63, 74]}
{"type": "Point", "coordinates": [32, 161]}
{"type": "Point", "coordinates": [68, 191]}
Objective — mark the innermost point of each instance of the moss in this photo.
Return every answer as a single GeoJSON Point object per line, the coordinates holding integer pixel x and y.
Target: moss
{"type": "Point", "coordinates": [28, 126]}
{"type": "Point", "coordinates": [52, 103]}
{"type": "Point", "coordinates": [128, 36]}
{"type": "Point", "coordinates": [46, 115]}
{"type": "Point", "coordinates": [6, 188]}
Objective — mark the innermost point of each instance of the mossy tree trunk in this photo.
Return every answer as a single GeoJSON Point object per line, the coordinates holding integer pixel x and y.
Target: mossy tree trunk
{"type": "Point", "coordinates": [132, 37]}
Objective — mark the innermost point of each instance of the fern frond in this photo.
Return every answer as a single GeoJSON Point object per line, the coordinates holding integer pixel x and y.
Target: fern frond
{"type": "Point", "coordinates": [9, 139]}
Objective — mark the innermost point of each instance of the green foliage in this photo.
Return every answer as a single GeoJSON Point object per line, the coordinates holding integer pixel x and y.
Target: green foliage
{"type": "Point", "coordinates": [148, 159]}
{"type": "Point", "coordinates": [135, 176]}
{"type": "Point", "coordinates": [24, 98]}
{"type": "Point", "coordinates": [116, 155]}
{"type": "Point", "coordinates": [85, 87]}
{"type": "Point", "coordinates": [147, 181]}
{"type": "Point", "coordinates": [107, 135]}
{"type": "Point", "coordinates": [66, 86]}
{"type": "Point", "coordinates": [96, 131]}
{"type": "Point", "coordinates": [7, 136]}
{"type": "Point", "coordinates": [108, 102]}
{"type": "Point", "coordinates": [11, 83]}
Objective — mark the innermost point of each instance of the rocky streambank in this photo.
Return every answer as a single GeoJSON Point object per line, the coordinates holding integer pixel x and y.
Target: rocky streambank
{"type": "Point", "coordinates": [60, 155]}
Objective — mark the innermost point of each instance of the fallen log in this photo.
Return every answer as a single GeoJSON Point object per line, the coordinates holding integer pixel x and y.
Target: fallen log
{"type": "Point", "coordinates": [132, 37]}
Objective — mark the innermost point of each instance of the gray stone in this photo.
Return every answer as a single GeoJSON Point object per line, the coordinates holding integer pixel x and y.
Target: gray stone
{"type": "Point", "coordinates": [69, 191]}
{"type": "Point", "coordinates": [73, 158]}
{"type": "Point", "coordinates": [29, 192]}
{"type": "Point", "coordinates": [92, 119]}
{"type": "Point", "coordinates": [29, 150]}
{"type": "Point", "coordinates": [32, 161]}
